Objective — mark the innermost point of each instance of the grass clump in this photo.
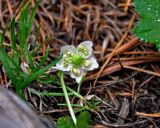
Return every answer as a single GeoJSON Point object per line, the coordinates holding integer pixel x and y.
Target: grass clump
{"type": "Point", "coordinates": [20, 64]}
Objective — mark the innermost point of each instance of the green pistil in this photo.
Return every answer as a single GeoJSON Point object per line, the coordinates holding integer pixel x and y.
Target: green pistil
{"type": "Point", "coordinates": [77, 60]}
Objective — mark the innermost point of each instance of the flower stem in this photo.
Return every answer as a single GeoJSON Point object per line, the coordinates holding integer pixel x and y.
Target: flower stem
{"type": "Point", "coordinates": [67, 98]}
{"type": "Point", "coordinates": [79, 85]}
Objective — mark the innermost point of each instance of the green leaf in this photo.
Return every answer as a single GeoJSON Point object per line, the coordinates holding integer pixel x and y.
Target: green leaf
{"type": "Point", "coordinates": [83, 120]}
{"type": "Point", "coordinates": [65, 122]}
{"type": "Point", "coordinates": [148, 28]}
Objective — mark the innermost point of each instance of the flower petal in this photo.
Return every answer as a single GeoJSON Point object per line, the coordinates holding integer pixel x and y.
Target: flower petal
{"type": "Point", "coordinates": [60, 66]}
{"type": "Point", "coordinates": [94, 63]}
{"type": "Point", "coordinates": [77, 78]}
{"type": "Point", "coordinates": [85, 49]}
{"type": "Point", "coordinates": [67, 48]}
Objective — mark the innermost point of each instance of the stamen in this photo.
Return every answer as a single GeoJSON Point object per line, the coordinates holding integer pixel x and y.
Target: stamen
{"type": "Point", "coordinates": [69, 54]}
{"type": "Point", "coordinates": [84, 50]}
{"type": "Point", "coordinates": [66, 63]}
{"type": "Point", "coordinates": [87, 64]}
{"type": "Point", "coordinates": [67, 58]}
{"type": "Point", "coordinates": [76, 71]}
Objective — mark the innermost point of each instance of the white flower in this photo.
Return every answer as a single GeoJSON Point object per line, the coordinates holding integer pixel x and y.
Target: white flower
{"type": "Point", "coordinates": [77, 61]}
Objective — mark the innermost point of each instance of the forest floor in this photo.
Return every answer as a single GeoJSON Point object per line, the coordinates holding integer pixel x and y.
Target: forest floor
{"type": "Point", "coordinates": [127, 80]}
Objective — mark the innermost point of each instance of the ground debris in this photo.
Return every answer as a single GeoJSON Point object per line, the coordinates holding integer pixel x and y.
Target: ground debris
{"type": "Point", "coordinates": [127, 81]}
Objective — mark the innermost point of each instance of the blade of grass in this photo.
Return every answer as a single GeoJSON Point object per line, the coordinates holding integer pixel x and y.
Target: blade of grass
{"type": "Point", "coordinates": [45, 93]}
{"type": "Point", "coordinates": [9, 60]}
{"type": "Point", "coordinates": [14, 41]}
{"type": "Point", "coordinates": [30, 59]}
{"type": "Point", "coordinates": [23, 84]}
{"type": "Point", "coordinates": [13, 34]}
{"type": "Point", "coordinates": [31, 19]}
{"type": "Point", "coordinates": [24, 27]}
{"type": "Point", "coordinates": [7, 66]}
{"type": "Point", "coordinates": [2, 37]}
{"type": "Point", "coordinates": [44, 59]}
{"type": "Point", "coordinates": [3, 53]}
{"type": "Point", "coordinates": [34, 44]}
{"type": "Point", "coordinates": [48, 79]}
{"type": "Point", "coordinates": [29, 28]}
